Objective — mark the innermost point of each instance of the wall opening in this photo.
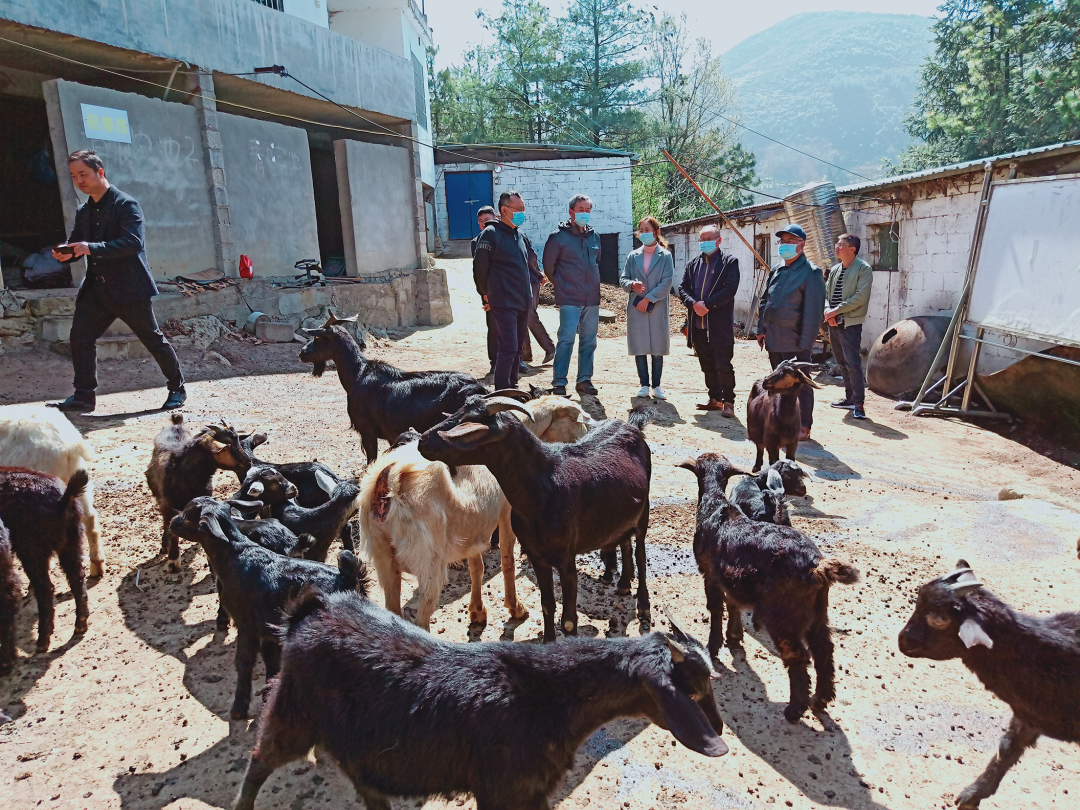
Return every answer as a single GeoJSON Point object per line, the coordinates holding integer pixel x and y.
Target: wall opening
{"type": "Point", "coordinates": [609, 258]}
{"type": "Point", "coordinates": [328, 211]}
{"type": "Point", "coordinates": [31, 215]}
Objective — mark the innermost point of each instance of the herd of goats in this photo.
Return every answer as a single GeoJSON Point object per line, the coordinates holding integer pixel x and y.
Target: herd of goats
{"type": "Point", "coordinates": [404, 714]}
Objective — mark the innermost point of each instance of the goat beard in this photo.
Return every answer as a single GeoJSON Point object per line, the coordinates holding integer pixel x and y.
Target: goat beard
{"type": "Point", "coordinates": [318, 367]}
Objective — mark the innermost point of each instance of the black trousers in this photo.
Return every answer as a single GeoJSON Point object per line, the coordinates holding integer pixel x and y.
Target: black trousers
{"type": "Point", "coordinates": [510, 326]}
{"type": "Point", "coordinates": [536, 326]}
{"type": "Point", "coordinates": [715, 361]}
{"type": "Point", "coordinates": [846, 344]}
{"type": "Point", "coordinates": [806, 395]}
{"type": "Point", "coordinates": [94, 314]}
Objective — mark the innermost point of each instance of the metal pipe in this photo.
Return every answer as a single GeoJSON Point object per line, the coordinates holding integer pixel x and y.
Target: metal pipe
{"type": "Point", "coordinates": [1022, 351]}
{"type": "Point", "coordinates": [965, 403]}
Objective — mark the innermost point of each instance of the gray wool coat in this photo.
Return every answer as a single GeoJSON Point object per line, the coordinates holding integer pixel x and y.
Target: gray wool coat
{"type": "Point", "coordinates": [648, 332]}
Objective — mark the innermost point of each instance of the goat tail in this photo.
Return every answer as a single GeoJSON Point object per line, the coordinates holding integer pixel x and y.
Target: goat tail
{"type": "Point", "coordinates": [831, 569]}
{"type": "Point", "coordinates": [641, 415]}
{"type": "Point", "coordinates": [354, 573]}
{"type": "Point", "coordinates": [309, 602]}
{"type": "Point", "coordinates": [177, 418]}
{"type": "Point", "coordinates": [76, 486]}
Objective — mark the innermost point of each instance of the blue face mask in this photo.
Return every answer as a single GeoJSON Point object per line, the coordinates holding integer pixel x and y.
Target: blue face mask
{"type": "Point", "coordinates": [582, 218]}
{"type": "Point", "coordinates": [707, 246]}
{"type": "Point", "coordinates": [519, 219]}
{"type": "Point", "coordinates": [646, 238]}
{"type": "Point", "coordinates": [787, 252]}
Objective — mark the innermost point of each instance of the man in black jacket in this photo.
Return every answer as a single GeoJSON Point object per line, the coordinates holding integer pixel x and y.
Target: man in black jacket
{"type": "Point", "coordinates": [109, 231]}
{"type": "Point", "coordinates": [708, 290]}
{"type": "Point", "coordinates": [791, 310]}
{"type": "Point", "coordinates": [483, 217]}
{"type": "Point", "coordinates": [501, 273]}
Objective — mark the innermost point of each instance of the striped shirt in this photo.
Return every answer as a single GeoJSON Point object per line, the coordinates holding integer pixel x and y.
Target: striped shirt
{"type": "Point", "coordinates": [838, 290]}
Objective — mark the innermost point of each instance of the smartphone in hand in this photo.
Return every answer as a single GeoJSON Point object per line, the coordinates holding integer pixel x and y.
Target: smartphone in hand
{"type": "Point", "coordinates": [65, 251]}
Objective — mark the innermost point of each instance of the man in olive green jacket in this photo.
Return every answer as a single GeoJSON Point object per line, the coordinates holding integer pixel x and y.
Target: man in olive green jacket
{"type": "Point", "coordinates": [847, 298]}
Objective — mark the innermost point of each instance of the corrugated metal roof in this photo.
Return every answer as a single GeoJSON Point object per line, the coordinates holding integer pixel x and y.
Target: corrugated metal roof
{"type": "Point", "coordinates": [545, 149]}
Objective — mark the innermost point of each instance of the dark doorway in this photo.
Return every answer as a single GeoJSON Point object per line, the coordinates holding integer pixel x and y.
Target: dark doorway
{"type": "Point", "coordinates": [609, 258]}
{"type": "Point", "coordinates": [466, 193]}
{"type": "Point", "coordinates": [327, 211]}
{"type": "Point", "coordinates": [31, 216]}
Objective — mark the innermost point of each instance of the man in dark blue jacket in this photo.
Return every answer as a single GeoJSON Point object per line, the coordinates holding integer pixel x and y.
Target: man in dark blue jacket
{"type": "Point", "coordinates": [109, 231]}
{"type": "Point", "coordinates": [502, 277]}
{"type": "Point", "coordinates": [708, 290]}
{"type": "Point", "coordinates": [791, 311]}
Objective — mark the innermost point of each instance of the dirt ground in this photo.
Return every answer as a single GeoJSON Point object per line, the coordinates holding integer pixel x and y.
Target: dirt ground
{"type": "Point", "coordinates": [135, 714]}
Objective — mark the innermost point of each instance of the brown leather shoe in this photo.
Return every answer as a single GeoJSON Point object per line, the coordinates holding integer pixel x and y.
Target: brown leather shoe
{"type": "Point", "coordinates": [711, 405]}
{"type": "Point", "coordinates": [728, 410]}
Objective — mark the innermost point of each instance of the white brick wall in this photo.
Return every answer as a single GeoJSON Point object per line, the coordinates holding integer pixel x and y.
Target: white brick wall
{"type": "Point", "coordinates": [935, 239]}
{"type": "Point", "coordinates": [547, 192]}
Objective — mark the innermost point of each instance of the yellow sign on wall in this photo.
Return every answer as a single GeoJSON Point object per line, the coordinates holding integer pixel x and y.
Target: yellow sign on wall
{"type": "Point", "coordinates": [105, 123]}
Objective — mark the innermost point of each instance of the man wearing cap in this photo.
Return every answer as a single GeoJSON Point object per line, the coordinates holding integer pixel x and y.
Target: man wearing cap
{"type": "Point", "coordinates": [848, 296]}
{"type": "Point", "coordinates": [791, 311]}
{"type": "Point", "coordinates": [708, 290]}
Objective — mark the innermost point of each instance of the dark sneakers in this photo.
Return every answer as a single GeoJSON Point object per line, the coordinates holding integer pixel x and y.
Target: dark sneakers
{"type": "Point", "coordinates": [858, 413]}
{"type": "Point", "coordinates": [73, 404]}
{"type": "Point", "coordinates": [844, 404]}
{"type": "Point", "coordinates": [548, 357]}
{"type": "Point", "coordinates": [586, 387]}
{"type": "Point", "coordinates": [559, 390]}
{"type": "Point", "coordinates": [176, 399]}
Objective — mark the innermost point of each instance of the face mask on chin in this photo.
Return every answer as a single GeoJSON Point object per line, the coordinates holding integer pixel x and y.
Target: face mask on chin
{"type": "Point", "coordinates": [787, 252]}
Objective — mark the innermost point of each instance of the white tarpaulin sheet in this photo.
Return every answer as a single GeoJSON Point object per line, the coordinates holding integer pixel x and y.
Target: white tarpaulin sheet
{"type": "Point", "coordinates": [1028, 278]}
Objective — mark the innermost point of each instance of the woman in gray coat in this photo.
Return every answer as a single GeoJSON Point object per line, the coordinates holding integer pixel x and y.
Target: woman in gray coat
{"type": "Point", "coordinates": [647, 277]}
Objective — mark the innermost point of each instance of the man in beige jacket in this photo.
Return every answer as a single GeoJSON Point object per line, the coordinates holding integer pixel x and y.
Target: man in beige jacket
{"type": "Point", "coordinates": [847, 298]}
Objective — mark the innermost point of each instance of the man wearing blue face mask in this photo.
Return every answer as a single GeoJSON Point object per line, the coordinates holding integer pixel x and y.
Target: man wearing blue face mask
{"type": "Point", "coordinates": [791, 310]}
{"type": "Point", "coordinates": [503, 279]}
{"type": "Point", "coordinates": [572, 263]}
{"type": "Point", "coordinates": [708, 290]}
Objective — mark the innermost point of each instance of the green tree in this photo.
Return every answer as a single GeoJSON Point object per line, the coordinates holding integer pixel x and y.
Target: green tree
{"type": "Point", "coordinates": [691, 116]}
{"type": "Point", "coordinates": [1004, 76]}
{"type": "Point", "coordinates": [602, 43]}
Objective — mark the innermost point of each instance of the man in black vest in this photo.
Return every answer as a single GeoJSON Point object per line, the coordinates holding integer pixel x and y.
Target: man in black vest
{"type": "Point", "coordinates": [109, 231]}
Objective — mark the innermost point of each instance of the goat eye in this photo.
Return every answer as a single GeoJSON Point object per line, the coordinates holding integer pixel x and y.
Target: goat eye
{"type": "Point", "coordinates": [937, 622]}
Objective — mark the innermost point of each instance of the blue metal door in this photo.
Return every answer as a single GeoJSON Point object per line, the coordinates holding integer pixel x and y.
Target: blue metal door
{"type": "Point", "coordinates": [466, 193]}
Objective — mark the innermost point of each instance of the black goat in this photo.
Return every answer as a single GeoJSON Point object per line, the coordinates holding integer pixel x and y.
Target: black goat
{"type": "Point", "coordinates": [403, 714]}
{"type": "Point", "coordinates": [9, 603]}
{"type": "Point", "coordinates": [383, 400]}
{"type": "Point", "coordinates": [1032, 663]}
{"type": "Point", "coordinates": [773, 418]}
{"type": "Point", "coordinates": [567, 499]}
{"type": "Point", "coordinates": [776, 571]}
{"type": "Point", "coordinates": [44, 517]}
{"type": "Point", "coordinates": [182, 467]}
{"type": "Point", "coordinates": [255, 585]}
{"type": "Point", "coordinates": [761, 497]}
{"type": "Point", "coordinates": [324, 522]}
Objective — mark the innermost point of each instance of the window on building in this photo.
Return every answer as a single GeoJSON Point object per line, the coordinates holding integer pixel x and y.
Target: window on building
{"type": "Point", "coordinates": [421, 94]}
{"type": "Point", "coordinates": [276, 5]}
{"type": "Point", "coordinates": [886, 248]}
{"type": "Point", "coordinates": [763, 245]}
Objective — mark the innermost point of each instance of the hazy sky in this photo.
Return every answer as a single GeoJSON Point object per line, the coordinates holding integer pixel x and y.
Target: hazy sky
{"type": "Point", "coordinates": [455, 25]}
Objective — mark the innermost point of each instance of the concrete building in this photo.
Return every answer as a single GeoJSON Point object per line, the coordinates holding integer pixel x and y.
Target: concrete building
{"type": "Point", "coordinates": [470, 176]}
{"type": "Point", "coordinates": [916, 231]}
{"type": "Point", "coordinates": [226, 162]}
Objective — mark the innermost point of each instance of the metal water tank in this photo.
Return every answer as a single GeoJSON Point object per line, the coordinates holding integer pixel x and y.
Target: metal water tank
{"type": "Point", "coordinates": [816, 207]}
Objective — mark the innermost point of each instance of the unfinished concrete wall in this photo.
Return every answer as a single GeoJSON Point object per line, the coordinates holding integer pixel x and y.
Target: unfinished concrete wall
{"type": "Point", "coordinates": [163, 168]}
{"type": "Point", "coordinates": [271, 197]}
{"type": "Point", "coordinates": [377, 192]}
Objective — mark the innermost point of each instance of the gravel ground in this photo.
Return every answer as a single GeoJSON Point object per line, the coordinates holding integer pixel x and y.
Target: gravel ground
{"type": "Point", "coordinates": [135, 714]}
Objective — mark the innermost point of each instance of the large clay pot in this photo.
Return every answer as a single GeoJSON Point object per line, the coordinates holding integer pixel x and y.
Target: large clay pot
{"type": "Point", "coordinates": [901, 356]}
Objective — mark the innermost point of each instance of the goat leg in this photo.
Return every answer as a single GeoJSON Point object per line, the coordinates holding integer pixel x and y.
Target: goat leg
{"type": "Point", "coordinates": [789, 450]}
{"type": "Point", "coordinates": [797, 660]}
{"type": "Point", "coordinates": [247, 648]}
{"type": "Point", "coordinates": [568, 580]}
{"type": "Point", "coordinates": [370, 443]}
{"type": "Point", "coordinates": [509, 572]}
{"type": "Point", "coordinates": [611, 561]}
{"type": "Point", "coordinates": [626, 579]}
{"type": "Point", "coordinates": [819, 640]}
{"type": "Point", "coordinates": [758, 460]}
{"type": "Point", "coordinates": [774, 453]}
{"type": "Point", "coordinates": [477, 613]}
{"type": "Point", "coordinates": [714, 603]}
{"type": "Point", "coordinates": [276, 746]}
{"type": "Point", "coordinates": [373, 800]}
{"type": "Point", "coordinates": [347, 541]}
{"type": "Point", "coordinates": [222, 622]}
{"type": "Point", "coordinates": [71, 563]}
{"type": "Point", "coordinates": [644, 608]}
{"type": "Point", "coordinates": [545, 581]}
{"type": "Point", "coordinates": [734, 625]}
{"type": "Point", "coordinates": [93, 536]}
{"type": "Point", "coordinates": [38, 573]}
{"type": "Point", "coordinates": [1018, 737]}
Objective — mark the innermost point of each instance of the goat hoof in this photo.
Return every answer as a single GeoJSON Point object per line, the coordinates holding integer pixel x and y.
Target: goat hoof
{"type": "Point", "coordinates": [174, 566]}
{"type": "Point", "coordinates": [80, 627]}
{"type": "Point", "coordinates": [819, 705]}
{"type": "Point", "coordinates": [608, 577]}
{"type": "Point", "coordinates": [222, 626]}
{"type": "Point", "coordinates": [42, 647]}
{"type": "Point", "coordinates": [621, 591]}
{"type": "Point", "coordinates": [793, 713]}
{"type": "Point", "coordinates": [97, 568]}
{"type": "Point", "coordinates": [518, 612]}
{"type": "Point", "coordinates": [734, 641]}
{"type": "Point", "coordinates": [238, 714]}
{"type": "Point", "coordinates": [645, 615]}
{"type": "Point", "coordinates": [477, 617]}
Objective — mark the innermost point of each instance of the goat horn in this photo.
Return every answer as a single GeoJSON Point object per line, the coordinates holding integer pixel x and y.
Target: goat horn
{"type": "Point", "coordinates": [499, 404]}
{"type": "Point", "coordinates": [953, 576]}
{"type": "Point", "coordinates": [511, 393]}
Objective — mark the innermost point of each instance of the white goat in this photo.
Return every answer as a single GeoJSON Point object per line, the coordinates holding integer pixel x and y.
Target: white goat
{"type": "Point", "coordinates": [42, 439]}
{"type": "Point", "coordinates": [416, 518]}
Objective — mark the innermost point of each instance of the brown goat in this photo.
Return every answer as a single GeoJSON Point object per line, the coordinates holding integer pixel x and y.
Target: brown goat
{"type": "Point", "coordinates": [773, 416]}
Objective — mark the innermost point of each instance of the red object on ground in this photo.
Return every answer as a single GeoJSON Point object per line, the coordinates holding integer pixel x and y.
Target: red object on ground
{"type": "Point", "coordinates": [246, 270]}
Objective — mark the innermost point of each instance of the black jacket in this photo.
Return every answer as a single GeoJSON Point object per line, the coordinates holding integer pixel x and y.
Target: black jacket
{"type": "Point", "coordinates": [716, 288]}
{"type": "Point", "coordinates": [792, 307]}
{"type": "Point", "coordinates": [117, 264]}
{"type": "Point", "coordinates": [501, 268]}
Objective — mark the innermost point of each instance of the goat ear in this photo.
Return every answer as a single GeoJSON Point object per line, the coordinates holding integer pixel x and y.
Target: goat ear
{"type": "Point", "coordinates": [210, 526]}
{"type": "Point", "coordinates": [807, 380]}
{"type": "Point", "coordinates": [685, 720]}
{"type": "Point", "coordinates": [688, 464]}
{"type": "Point", "coordinates": [325, 482]}
{"type": "Point", "coordinates": [467, 435]}
{"type": "Point", "coordinates": [257, 439]}
{"type": "Point", "coordinates": [245, 506]}
{"type": "Point", "coordinates": [972, 633]}
{"type": "Point", "coordinates": [256, 489]}
{"type": "Point", "coordinates": [678, 651]}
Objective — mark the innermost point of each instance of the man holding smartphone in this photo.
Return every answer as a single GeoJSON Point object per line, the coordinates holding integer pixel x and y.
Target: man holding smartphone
{"type": "Point", "coordinates": [109, 231]}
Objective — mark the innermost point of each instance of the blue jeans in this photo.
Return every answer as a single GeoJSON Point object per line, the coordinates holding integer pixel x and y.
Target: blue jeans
{"type": "Point", "coordinates": [583, 322]}
{"type": "Point", "coordinates": [846, 347]}
{"type": "Point", "coordinates": [642, 361]}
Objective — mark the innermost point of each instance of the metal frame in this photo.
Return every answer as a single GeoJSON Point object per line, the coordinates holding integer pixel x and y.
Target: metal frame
{"type": "Point", "coordinates": [920, 406]}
